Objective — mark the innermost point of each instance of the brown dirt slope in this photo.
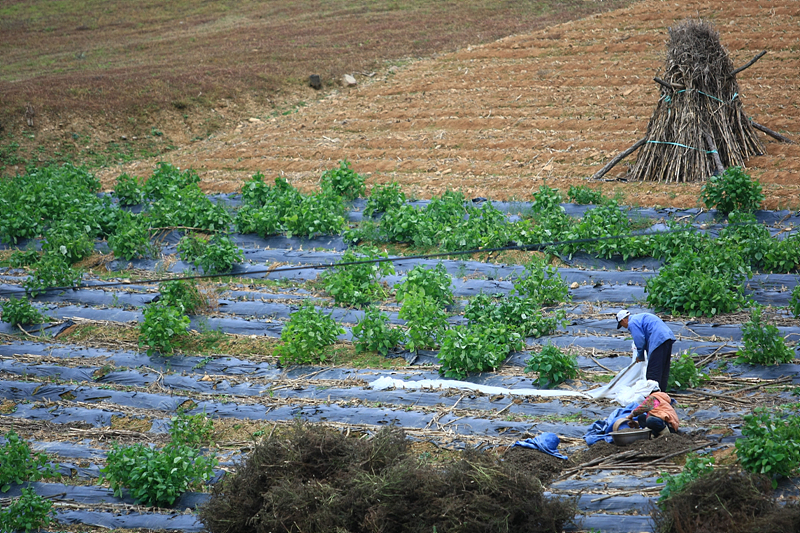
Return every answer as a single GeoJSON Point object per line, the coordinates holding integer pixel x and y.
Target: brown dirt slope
{"type": "Point", "coordinates": [499, 120]}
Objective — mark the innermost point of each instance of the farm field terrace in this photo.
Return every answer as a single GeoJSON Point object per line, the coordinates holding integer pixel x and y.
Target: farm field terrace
{"type": "Point", "coordinates": [276, 338]}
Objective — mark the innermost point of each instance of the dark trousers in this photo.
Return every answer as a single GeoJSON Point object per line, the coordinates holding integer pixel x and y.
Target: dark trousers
{"type": "Point", "coordinates": [658, 364]}
{"type": "Point", "coordinates": [655, 424]}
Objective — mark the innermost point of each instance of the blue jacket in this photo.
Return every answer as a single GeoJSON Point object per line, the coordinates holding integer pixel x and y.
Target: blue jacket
{"type": "Point", "coordinates": [649, 332]}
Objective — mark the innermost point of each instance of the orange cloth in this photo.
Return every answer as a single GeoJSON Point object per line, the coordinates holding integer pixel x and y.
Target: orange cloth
{"type": "Point", "coordinates": [659, 404]}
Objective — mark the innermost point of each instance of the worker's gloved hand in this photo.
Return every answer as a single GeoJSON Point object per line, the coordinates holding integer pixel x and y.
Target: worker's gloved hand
{"type": "Point", "coordinates": [640, 360]}
{"type": "Point", "coordinates": [633, 424]}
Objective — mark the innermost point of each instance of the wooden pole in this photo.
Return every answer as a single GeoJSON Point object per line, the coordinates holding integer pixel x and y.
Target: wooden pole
{"type": "Point", "coordinates": [611, 164]}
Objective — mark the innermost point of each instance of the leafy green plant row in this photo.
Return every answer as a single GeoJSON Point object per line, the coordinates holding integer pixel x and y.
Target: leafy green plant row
{"type": "Point", "coordinates": [496, 326]}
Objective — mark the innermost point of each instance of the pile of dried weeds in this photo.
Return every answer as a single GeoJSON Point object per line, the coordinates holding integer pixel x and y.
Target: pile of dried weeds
{"type": "Point", "coordinates": [699, 126]}
{"type": "Point", "coordinates": [728, 500]}
{"type": "Point", "coordinates": [317, 480]}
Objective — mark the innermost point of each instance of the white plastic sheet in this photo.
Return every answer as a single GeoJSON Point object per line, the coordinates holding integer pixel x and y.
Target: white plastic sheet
{"type": "Point", "coordinates": [629, 386]}
{"type": "Point", "coordinates": [386, 382]}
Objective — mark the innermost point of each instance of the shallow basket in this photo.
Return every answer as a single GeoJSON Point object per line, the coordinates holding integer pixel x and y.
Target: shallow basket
{"type": "Point", "coordinates": [621, 438]}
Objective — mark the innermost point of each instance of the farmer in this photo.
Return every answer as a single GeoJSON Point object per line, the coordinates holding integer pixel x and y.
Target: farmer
{"type": "Point", "coordinates": [655, 412]}
{"type": "Point", "coordinates": [650, 335]}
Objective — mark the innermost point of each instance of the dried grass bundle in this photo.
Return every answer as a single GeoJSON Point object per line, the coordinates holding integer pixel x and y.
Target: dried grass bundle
{"type": "Point", "coordinates": [699, 126]}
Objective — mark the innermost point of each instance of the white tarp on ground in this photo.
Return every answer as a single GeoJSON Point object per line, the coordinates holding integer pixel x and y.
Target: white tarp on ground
{"type": "Point", "coordinates": [629, 386]}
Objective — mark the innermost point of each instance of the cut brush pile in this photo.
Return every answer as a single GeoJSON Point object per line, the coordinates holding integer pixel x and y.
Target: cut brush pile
{"type": "Point", "coordinates": [316, 479]}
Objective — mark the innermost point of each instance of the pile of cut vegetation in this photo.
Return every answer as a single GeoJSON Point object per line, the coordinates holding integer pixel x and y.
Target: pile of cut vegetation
{"type": "Point", "coordinates": [316, 479]}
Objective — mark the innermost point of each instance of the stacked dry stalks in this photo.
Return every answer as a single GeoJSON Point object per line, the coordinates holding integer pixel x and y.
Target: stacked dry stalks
{"type": "Point", "coordinates": [699, 126]}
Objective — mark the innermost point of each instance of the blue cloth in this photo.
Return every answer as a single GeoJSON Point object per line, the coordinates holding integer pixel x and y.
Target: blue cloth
{"type": "Point", "coordinates": [649, 332]}
{"type": "Point", "coordinates": [546, 442]}
{"type": "Point", "coordinates": [600, 429]}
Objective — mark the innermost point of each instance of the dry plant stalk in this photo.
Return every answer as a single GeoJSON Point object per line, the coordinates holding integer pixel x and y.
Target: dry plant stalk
{"type": "Point", "coordinates": [699, 124]}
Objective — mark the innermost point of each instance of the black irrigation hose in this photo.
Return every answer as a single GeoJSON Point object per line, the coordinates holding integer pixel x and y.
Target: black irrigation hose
{"type": "Point", "coordinates": [521, 247]}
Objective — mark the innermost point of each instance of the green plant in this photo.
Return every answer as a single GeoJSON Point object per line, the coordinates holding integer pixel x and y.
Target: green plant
{"type": "Point", "coordinates": [343, 181]}
{"type": "Point", "coordinates": [131, 239]}
{"type": "Point", "coordinates": [70, 240]}
{"type": "Point", "coordinates": [475, 348]}
{"type": "Point", "coordinates": [29, 512]}
{"type": "Point", "coordinates": [162, 324]}
{"type": "Point", "coordinates": [184, 295]}
{"type": "Point", "coordinates": [51, 271]}
{"type": "Point", "coordinates": [763, 344]}
{"type": "Point", "coordinates": [19, 311]}
{"type": "Point", "coordinates": [733, 190]}
{"type": "Point", "coordinates": [129, 190]}
{"type": "Point", "coordinates": [20, 259]}
{"type": "Point", "coordinates": [542, 284]}
{"type": "Point", "coordinates": [18, 464]}
{"type": "Point", "coordinates": [523, 314]}
{"type": "Point", "coordinates": [684, 374]}
{"type": "Point", "coordinates": [435, 283]}
{"type": "Point", "coordinates": [553, 366]}
{"type": "Point", "coordinates": [384, 198]}
{"type": "Point", "coordinates": [771, 443]}
{"type": "Point", "coordinates": [357, 284]}
{"type": "Point", "coordinates": [696, 466]}
{"type": "Point", "coordinates": [318, 214]}
{"type": "Point", "coordinates": [307, 335]}
{"type": "Point", "coordinates": [581, 194]}
{"type": "Point", "coordinates": [425, 319]}
{"type": "Point", "coordinates": [373, 334]}
{"type": "Point", "coordinates": [707, 283]}
{"type": "Point", "coordinates": [213, 256]}
{"type": "Point", "coordinates": [546, 200]}
{"type": "Point", "coordinates": [167, 181]}
{"type": "Point", "coordinates": [191, 430]}
{"type": "Point", "coordinates": [156, 477]}
{"type": "Point", "coordinates": [45, 197]}
{"type": "Point", "coordinates": [794, 302]}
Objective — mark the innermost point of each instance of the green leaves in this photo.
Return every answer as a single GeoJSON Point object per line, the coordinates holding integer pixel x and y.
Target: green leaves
{"type": "Point", "coordinates": [475, 348]}
{"type": "Point", "coordinates": [733, 190]}
{"type": "Point", "coordinates": [794, 302]}
{"type": "Point", "coordinates": [696, 466]}
{"type": "Point", "coordinates": [357, 285]}
{"type": "Point", "coordinates": [583, 195]}
{"type": "Point", "coordinates": [213, 256]}
{"type": "Point", "coordinates": [343, 181]}
{"type": "Point", "coordinates": [684, 374]}
{"type": "Point", "coordinates": [307, 335]}
{"type": "Point", "coordinates": [156, 477]}
{"type": "Point", "coordinates": [131, 238]}
{"type": "Point", "coordinates": [772, 441]}
{"type": "Point", "coordinates": [552, 366]}
{"type": "Point", "coordinates": [373, 334]}
{"type": "Point", "coordinates": [29, 512]}
{"type": "Point", "coordinates": [707, 283]}
{"type": "Point", "coordinates": [435, 283]}
{"type": "Point", "coordinates": [19, 311]}
{"type": "Point", "coordinates": [162, 324]}
{"type": "Point", "coordinates": [763, 344]}
{"type": "Point", "coordinates": [51, 271]}
{"type": "Point", "coordinates": [425, 319]}
{"type": "Point", "coordinates": [18, 464]}
{"type": "Point", "coordinates": [384, 198]}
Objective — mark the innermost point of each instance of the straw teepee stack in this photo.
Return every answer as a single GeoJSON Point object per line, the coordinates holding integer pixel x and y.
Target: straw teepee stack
{"type": "Point", "coordinates": [699, 126]}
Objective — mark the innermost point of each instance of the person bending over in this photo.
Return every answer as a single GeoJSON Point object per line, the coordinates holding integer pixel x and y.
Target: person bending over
{"type": "Point", "coordinates": [655, 412]}
{"type": "Point", "coordinates": [650, 335]}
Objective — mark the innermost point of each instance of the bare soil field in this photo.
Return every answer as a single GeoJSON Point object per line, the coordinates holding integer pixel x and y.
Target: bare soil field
{"type": "Point", "coordinates": [498, 120]}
